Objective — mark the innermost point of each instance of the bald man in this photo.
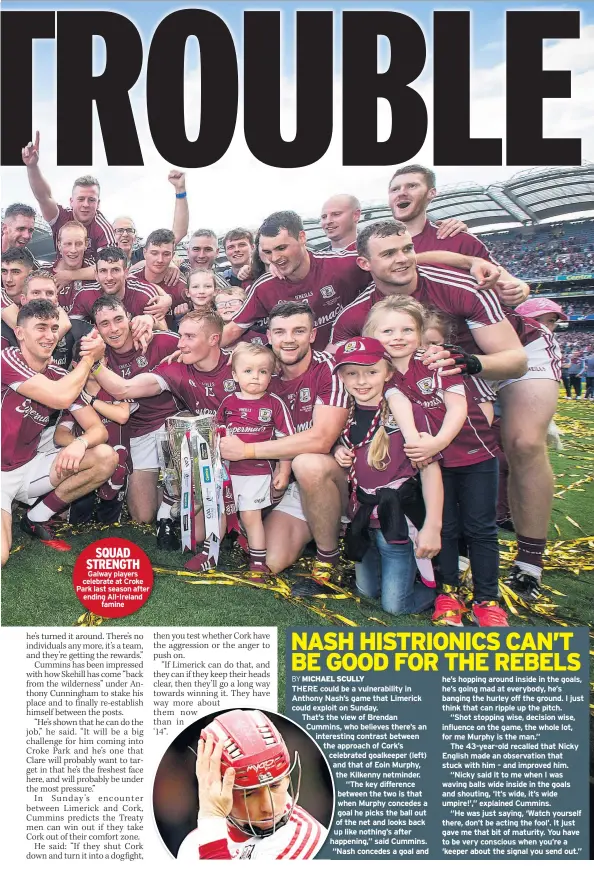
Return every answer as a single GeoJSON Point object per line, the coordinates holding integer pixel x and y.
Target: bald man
{"type": "Point", "coordinates": [339, 217]}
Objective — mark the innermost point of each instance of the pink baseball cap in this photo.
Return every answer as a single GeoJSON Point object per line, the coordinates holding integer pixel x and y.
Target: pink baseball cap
{"type": "Point", "coordinates": [535, 307]}
{"type": "Point", "coordinates": [359, 351]}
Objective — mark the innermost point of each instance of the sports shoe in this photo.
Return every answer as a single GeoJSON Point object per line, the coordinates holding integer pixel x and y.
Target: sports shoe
{"type": "Point", "coordinates": [201, 562]}
{"type": "Point", "coordinates": [324, 576]}
{"type": "Point", "coordinates": [257, 573]}
{"type": "Point", "coordinates": [448, 610]}
{"type": "Point", "coordinates": [525, 585]}
{"type": "Point", "coordinates": [167, 536]}
{"type": "Point", "coordinates": [44, 532]}
{"type": "Point", "coordinates": [489, 614]}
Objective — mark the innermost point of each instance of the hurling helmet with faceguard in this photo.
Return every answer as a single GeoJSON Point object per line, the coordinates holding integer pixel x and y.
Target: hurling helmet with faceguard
{"type": "Point", "coordinates": [258, 754]}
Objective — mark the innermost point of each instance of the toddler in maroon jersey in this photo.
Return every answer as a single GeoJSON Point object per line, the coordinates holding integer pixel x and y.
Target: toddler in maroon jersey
{"type": "Point", "coordinates": [461, 433]}
{"type": "Point", "coordinates": [254, 415]}
{"type": "Point", "coordinates": [396, 520]}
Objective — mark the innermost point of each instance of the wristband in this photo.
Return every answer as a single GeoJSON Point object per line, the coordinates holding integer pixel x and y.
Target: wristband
{"type": "Point", "coordinates": [96, 366]}
{"type": "Point", "coordinates": [83, 440]}
{"type": "Point", "coordinates": [181, 196]}
{"type": "Point", "coordinates": [93, 399]}
{"type": "Point", "coordinates": [249, 451]}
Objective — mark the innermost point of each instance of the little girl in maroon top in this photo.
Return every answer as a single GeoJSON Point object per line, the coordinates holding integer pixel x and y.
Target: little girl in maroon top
{"type": "Point", "coordinates": [465, 440]}
{"type": "Point", "coordinates": [396, 519]}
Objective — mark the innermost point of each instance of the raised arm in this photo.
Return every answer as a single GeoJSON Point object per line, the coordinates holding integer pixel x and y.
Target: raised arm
{"type": "Point", "coordinates": [40, 187]}
{"type": "Point", "coordinates": [181, 213]}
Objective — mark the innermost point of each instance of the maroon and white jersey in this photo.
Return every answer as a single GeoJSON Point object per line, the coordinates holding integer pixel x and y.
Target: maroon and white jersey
{"type": "Point", "coordinates": [153, 410]}
{"type": "Point", "coordinates": [426, 387]}
{"type": "Point", "coordinates": [99, 231]}
{"type": "Point", "coordinates": [462, 243]}
{"type": "Point", "coordinates": [68, 292]}
{"type": "Point", "coordinates": [251, 336]}
{"type": "Point", "coordinates": [137, 296]}
{"type": "Point", "coordinates": [349, 324]}
{"type": "Point", "coordinates": [23, 420]}
{"type": "Point", "coordinates": [6, 301]}
{"type": "Point", "coordinates": [316, 386]}
{"type": "Point", "coordinates": [118, 435]}
{"type": "Point", "coordinates": [254, 420]}
{"type": "Point", "coordinates": [200, 391]}
{"type": "Point", "coordinates": [178, 292]}
{"type": "Point", "coordinates": [332, 282]}
{"type": "Point", "coordinates": [300, 838]}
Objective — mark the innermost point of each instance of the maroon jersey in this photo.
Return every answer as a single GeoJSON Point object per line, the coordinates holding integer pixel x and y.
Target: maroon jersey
{"type": "Point", "coordinates": [6, 301]}
{"type": "Point", "coordinates": [251, 336]}
{"type": "Point", "coordinates": [350, 322]}
{"type": "Point", "coordinates": [99, 231]}
{"type": "Point", "coordinates": [23, 420]}
{"type": "Point", "coordinates": [316, 386]}
{"type": "Point", "coordinates": [118, 435]}
{"type": "Point", "coordinates": [68, 292]}
{"type": "Point", "coordinates": [426, 387]}
{"type": "Point", "coordinates": [331, 283]}
{"type": "Point", "coordinates": [152, 411]}
{"type": "Point", "coordinates": [254, 420]}
{"type": "Point", "coordinates": [200, 391]}
{"type": "Point", "coordinates": [178, 292]}
{"type": "Point", "coordinates": [462, 243]}
{"type": "Point", "coordinates": [137, 296]}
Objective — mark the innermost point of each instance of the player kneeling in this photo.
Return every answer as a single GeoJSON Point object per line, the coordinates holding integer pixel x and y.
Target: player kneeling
{"type": "Point", "coordinates": [32, 389]}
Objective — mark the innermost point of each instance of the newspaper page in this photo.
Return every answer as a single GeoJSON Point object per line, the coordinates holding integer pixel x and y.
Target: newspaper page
{"type": "Point", "coordinates": [297, 384]}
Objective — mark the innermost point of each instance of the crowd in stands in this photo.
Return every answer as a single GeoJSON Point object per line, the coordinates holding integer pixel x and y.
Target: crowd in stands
{"type": "Point", "coordinates": [546, 251]}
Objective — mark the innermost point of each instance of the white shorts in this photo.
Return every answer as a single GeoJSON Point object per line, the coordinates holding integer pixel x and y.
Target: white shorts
{"type": "Point", "coordinates": [544, 362]}
{"type": "Point", "coordinates": [46, 440]}
{"type": "Point", "coordinates": [252, 492]}
{"type": "Point", "coordinates": [144, 450]}
{"type": "Point", "coordinates": [291, 503]}
{"type": "Point", "coordinates": [30, 481]}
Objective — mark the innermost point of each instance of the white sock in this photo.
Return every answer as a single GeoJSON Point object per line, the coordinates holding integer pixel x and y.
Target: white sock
{"type": "Point", "coordinates": [164, 511]}
{"type": "Point", "coordinates": [40, 513]}
{"type": "Point", "coordinates": [533, 570]}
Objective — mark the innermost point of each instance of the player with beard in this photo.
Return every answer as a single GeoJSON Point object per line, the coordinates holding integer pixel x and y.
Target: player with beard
{"type": "Point", "coordinates": [313, 504]}
{"type": "Point", "coordinates": [84, 203]}
{"type": "Point", "coordinates": [32, 388]}
{"type": "Point", "coordinates": [323, 281]}
{"type": "Point", "coordinates": [244, 813]}
{"type": "Point", "coordinates": [528, 380]}
{"type": "Point", "coordinates": [531, 478]}
{"type": "Point", "coordinates": [200, 381]}
{"type": "Point", "coordinates": [410, 192]}
{"type": "Point", "coordinates": [114, 325]}
{"type": "Point", "coordinates": [159, 250]}
{"type": "Point", "coordinates": [72, 244]}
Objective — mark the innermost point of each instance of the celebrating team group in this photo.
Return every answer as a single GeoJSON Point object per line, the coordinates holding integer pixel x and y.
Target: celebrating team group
{"type": "Point", "coordinates": [371, 385]}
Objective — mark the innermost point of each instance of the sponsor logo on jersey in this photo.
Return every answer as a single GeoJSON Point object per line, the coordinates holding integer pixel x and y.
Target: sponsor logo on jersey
{"type": "Point", "coordinates": [327, 291]}
{"type": "Point", "coordinates": [191, 382]}
{"type": "Point", "coordinates": [425, 385]}
{"type": "Point", "coordinates": [228, 385]}
{"type": "Point", "coordinates": [305, 395]}
{"type": "Point", "coordinates": [265, 415]}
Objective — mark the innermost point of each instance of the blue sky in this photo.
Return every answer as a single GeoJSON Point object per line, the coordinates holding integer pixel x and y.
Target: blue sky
{"type": "Point", "coordinates": [252, 189]}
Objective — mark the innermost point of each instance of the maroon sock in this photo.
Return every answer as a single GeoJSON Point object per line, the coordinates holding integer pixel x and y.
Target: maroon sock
{"type": "Point", "coordinates": [328, 555]}
{"type": "Point", "coordinates": [257, 557]}
{"type": "Point", "coordinates": [47, 507]}
{"type": "Point", "coordinates": [530, 550]}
